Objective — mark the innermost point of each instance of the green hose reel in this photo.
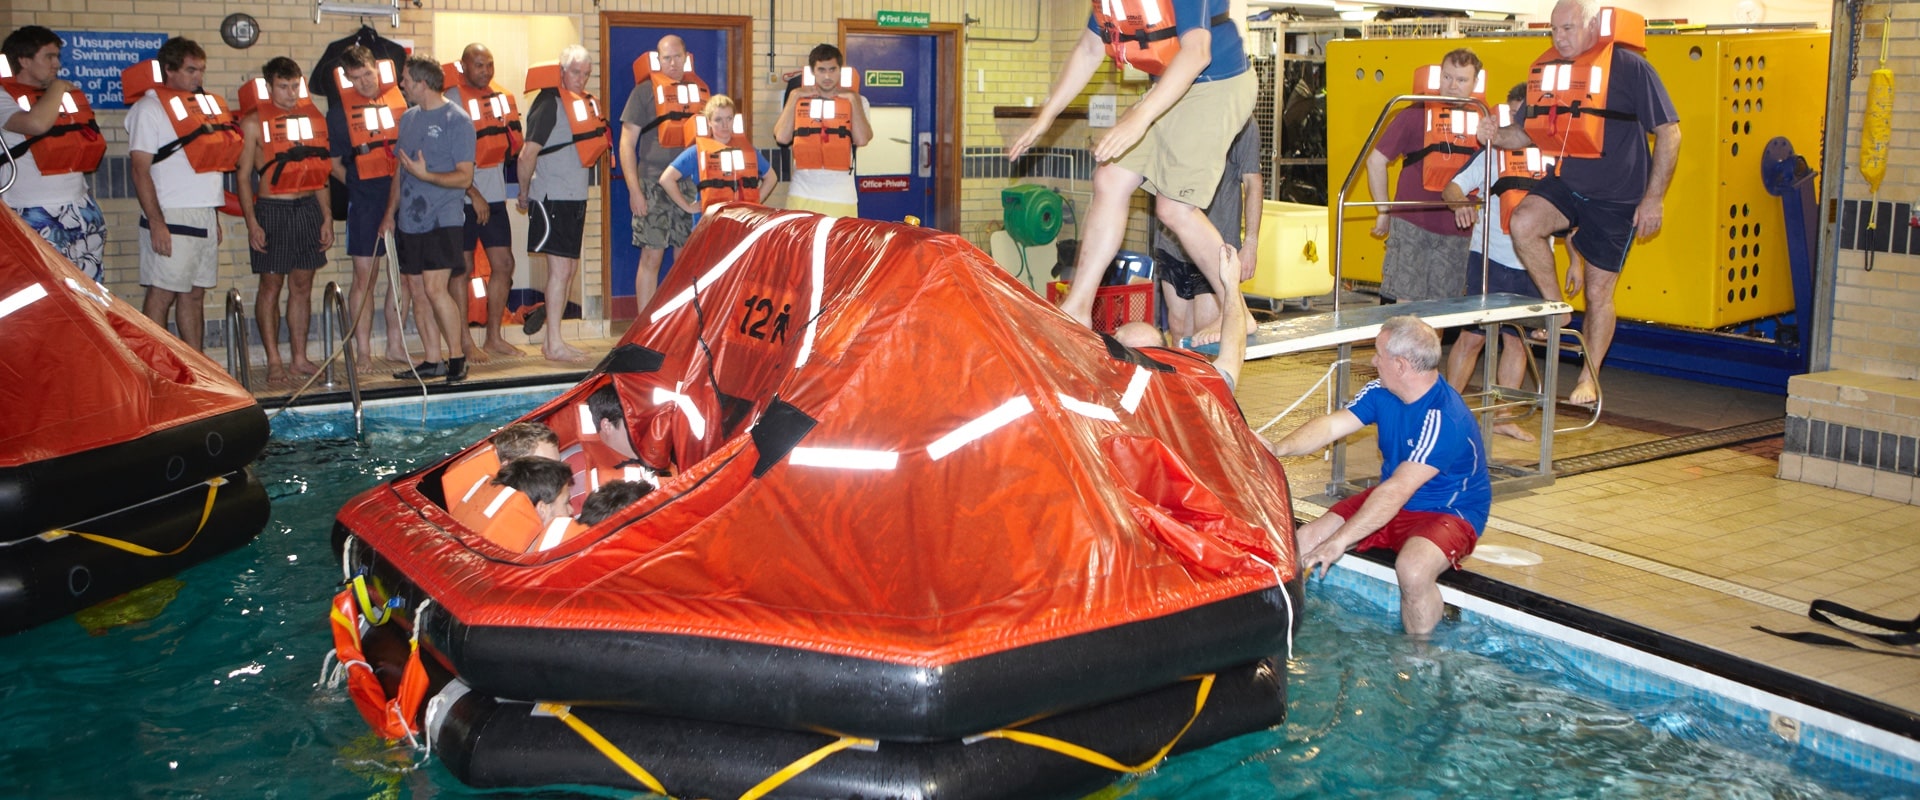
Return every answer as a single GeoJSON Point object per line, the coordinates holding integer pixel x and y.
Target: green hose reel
{"type": "Point", "coordinates": [1032, 213]}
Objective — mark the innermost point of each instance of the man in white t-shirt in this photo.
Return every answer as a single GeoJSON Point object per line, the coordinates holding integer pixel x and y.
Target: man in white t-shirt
{"type": "Point", "coordinates": [824, 123]}
{"type": "Point", "coordinates": [58, 207]}
{"type": "Point", "coordinates": [180, 253]}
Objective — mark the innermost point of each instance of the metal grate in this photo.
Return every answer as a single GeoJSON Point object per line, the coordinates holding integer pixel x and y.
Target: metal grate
{"type": "Point", "coordinates": [1670, 447]}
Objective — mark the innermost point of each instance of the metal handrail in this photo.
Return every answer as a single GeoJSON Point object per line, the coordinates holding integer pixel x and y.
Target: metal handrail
{"type": "Point", "coordinates": [13, 173]}
{"type": "Point", "coordinates": [333, 314]}
{"type": "Point", "coordinates": [239, 362]}
{"type": "Point", "coordinates": [1359, 167]}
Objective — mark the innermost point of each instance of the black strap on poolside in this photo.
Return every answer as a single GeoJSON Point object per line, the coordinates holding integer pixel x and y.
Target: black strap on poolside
{"type": "Point", "coordinates": [1904, 632]}
{"type": "Point", "coordinates": [1823, 640]}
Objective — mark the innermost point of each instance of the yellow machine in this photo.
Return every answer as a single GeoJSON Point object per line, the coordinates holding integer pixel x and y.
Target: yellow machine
{"type": "Point", "coordinates": [1721, 256]}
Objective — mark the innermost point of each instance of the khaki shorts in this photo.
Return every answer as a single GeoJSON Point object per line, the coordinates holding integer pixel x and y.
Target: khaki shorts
{"type": "Point", "coordinates": [196, 252]}
{"type": "Point", "coordinates": [1184, 153]}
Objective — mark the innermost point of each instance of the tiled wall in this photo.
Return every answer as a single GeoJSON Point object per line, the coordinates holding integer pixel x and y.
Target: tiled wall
{"type": "Point", "coordinates": [1011, 51]}
{"type": "Point", "coordinates": [1840, 423]}
{"type": "Point", "coordinates": [1854, 431]}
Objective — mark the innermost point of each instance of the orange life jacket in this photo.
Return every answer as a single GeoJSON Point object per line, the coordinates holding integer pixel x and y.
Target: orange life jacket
{"type": "Point", "coordinates": [1452, 131]}
{"type": "Point", "coordinates": [591, 137]}
{"type": "Point", "coordinates": [728, 171]}
{"type": "Point", "coordinates": [1567, 98]}
{"type": "Point", "coordinates": [73, 144]}
{"type": "Point", "coordinates": [823, 129]}
{"type": "Point", "coordinates": [495, 115]}
{"type": "Point", "coordinates": [557, 531]}
{"type": "Point", "coordinates": [206, 132]}
{"type": "Point", "coordinates": [391, 717]}
{"type": "Point", "coordinates": [589, 479]}
{"type": "Point", "coordinates": [1141, 33]}
{"type": "Point", "coordinates": [373, 124]}
{"type": "Point", "coordinates": [1520, 170]}
{"type": "Point", "coordinates": [501, 514]}
{"type": "Point", "coordinates": [464, 478]}
{"type": "Point", "coordinates": [293, 142]}
{"type": "Point", "coordinates": [673, 101]}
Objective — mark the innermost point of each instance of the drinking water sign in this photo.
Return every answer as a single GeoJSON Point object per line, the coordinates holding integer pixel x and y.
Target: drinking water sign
{"type": "Point", "coordinates": [92, 60]}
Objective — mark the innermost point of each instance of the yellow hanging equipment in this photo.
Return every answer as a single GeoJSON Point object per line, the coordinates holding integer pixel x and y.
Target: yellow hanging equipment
{"type": "Point", "coordinates": [1876, 130]}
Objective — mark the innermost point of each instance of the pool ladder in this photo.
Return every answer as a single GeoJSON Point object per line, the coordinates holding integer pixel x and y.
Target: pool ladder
{"type": "Point", "coordinates": [239, 364]}
{"type": "Point", "coordinates": [333, 317]}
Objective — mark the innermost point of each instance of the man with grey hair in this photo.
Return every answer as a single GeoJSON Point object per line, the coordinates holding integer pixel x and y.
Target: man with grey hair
{"type": "Point", "coordinates": [426, 209]}
{"type": "Point", "coordinates": [1434, 492]}
{"type": "Point", "coordinates": [1609, 197]}
{"type": "Point", "coordinates": [555, 167]}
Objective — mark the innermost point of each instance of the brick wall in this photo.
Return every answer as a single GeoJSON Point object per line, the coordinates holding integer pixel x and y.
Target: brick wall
{"type": "Point", "coordinates": [1012, 49]}
{"type": "Point", "coordinates": [1854, 426]}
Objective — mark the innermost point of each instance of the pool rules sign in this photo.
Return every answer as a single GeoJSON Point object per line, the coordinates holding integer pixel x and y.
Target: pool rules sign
{"type": "Point", "coordinates": [92, 60]}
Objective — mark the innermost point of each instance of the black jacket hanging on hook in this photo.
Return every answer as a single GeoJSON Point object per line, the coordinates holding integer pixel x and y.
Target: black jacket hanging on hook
{"type": "Point", "coordinates": [321, 78]}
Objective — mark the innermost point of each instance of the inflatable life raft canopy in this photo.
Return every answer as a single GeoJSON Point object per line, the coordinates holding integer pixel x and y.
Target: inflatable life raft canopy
{"type": "Point", "coordinates": [923, 501]}
{"type": "Point", "coordinates": [109, 426]}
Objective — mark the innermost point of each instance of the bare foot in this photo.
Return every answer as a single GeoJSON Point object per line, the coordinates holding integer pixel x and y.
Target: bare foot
{"type": "Point", "coordinates": [565, 354]}
{"type": "Point", "coordinates": [398, 356]}
{"type": "Point", "coordinates": [1205, 337]}
{"type": "Point", "coordinates": [477, 355]}
{"type": "Point", "coordinates": [1584, 393]}
{"type": "Point", "coordinates": [303, 367]}
{"type": "Point", "coordinates": [276, 375]}
{"type": "Point", "coordinates": [502, 347]}
{"type": "Point", "coordinates": [1084, 316]}
{"type": "Point", "coordinates": [1512, 431]}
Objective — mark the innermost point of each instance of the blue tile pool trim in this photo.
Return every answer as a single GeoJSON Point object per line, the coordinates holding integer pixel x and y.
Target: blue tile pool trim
{"type": "Point", "coordinates": [1858, 732]}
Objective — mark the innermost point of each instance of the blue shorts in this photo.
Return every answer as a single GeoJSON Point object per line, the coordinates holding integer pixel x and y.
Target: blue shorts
{"type": "Point", "coordinates": [366, 204]}
{"type": "Point", "coordinates": [1603, 229]}
{"type": "Point", "coordinates": [1500, 278]}
{"type": "Point", "coordinates": [495, 233]}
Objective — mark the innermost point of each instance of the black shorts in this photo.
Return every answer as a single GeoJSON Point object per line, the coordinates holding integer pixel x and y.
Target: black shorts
{"type": "Point", "coordinates": [436, 249]}
{"type": "Point", "coordinates": [293, 235]}
{"type": "Point", "coordinates": [554, 227]}
{"type": "Point", "coordinates": [495, 233]}
{"type": "Point", "coordinates": [366, 204]}
{"type": "Point", "coordinates": [1500, 278]}
{"type": "Point", "coordinates": [1184, 276]}
{"type": "Point", "coordinates": [1602, 229]}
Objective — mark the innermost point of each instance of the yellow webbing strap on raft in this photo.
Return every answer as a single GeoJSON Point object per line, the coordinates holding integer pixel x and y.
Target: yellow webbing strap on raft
{"type": "Point", "coordinates": [206, 513]}
{"type": "Point", "coordinates": [368, 608]}
{"type": "Point", "coordinates": [639, 773]}
{"type": "Point", "coordinates": [1072, 750]}
{"type": "Point", "coordinates": [605, 747]}
{"type": "Point", "coordinates": [805, 763]}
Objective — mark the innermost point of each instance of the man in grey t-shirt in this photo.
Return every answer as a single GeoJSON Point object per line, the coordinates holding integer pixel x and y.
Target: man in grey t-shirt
{"type": "Point", "coordinates": [426, 209]}
{"type": "Point", "coordinates": [657, 223]}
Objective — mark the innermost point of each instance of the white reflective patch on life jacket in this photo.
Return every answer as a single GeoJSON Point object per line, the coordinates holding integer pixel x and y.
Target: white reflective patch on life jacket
{"type": "Point", "coordinates": [22, 100]}
{"type": "Point", "coordinates": [700, 126]}
{"type": "Point", "coordinates": [1595, 79]}
{"type": "Point", "coordinates": [386, 71]}
{"type": "Point", "coordinates": [386, 116]}
{"type": "Point", "coordinates": [580, 110]}
{"type": "Point", "coordinates": [659, 95]}
{"type": "Point", "coordinates": [556, 532]}
{"type": "Point", "coordinates": [500, 501]}
{"type": "Point", "coordinates": [587, 428]}
{"type": "Point", "coordinates": [475, 488]}
{"type": "Point", "coordinates": [479, 288]}
{"type": "Point", "coordinates": [1606, 23]}
{"type": "Point", "coordinates": [473, 109]}
{"type": "Point", "coordinates": [1506, 115]}
{"type": "Point", "coordinates": [209, 105]}
{"type": "Point", "coordinates": [1150, 11]}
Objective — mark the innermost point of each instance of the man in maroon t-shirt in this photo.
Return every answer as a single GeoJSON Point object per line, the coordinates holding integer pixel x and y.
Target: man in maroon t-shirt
{"type": "Point", "coordinates": [1426, 252]}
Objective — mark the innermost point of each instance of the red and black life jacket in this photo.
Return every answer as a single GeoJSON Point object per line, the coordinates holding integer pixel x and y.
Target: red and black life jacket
{"type": "Point", "coordinates": [729, 171]}
{"type": "Point", "coordinates": [674, 102]}
{"type": "Point", "coordinates": [823, 128]}
{"type": "Point", "coordinates": [373, 123]}
{"type": "Point", "coordinates": [1567, 98]}
{"type": "Point", "coordinates": [205, 132]}
{"type": "Point", "coordinates": [1452, 136]}
{"type": "Point", "coordinates": [591, 136]}
{"type": "Point", "coordinates": [1141, 33]}
{"type": "Point", "coordinates": [73, 144]}
{"type": "Point", "coordinates": [293, 142]}
{"type": "Point", "coordinates": [496, 118]}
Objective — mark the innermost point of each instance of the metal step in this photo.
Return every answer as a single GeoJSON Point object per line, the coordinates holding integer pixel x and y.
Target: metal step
{"type": "Point", "coordinates": [1670, 447]}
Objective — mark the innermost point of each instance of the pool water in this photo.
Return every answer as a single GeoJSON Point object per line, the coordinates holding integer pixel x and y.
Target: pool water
{"type": "Point", "coordinates": [214, 693]}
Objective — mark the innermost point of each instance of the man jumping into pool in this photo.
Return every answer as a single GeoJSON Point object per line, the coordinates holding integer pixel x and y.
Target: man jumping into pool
{"type": "Point", "coordinates": [1434, 492]}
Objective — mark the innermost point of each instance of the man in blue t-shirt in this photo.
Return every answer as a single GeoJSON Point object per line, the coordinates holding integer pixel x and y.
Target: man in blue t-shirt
{"type": "Point", "coordinates": [1610, 200]}
{"type": "Point", "coordinates": [1173, 141]}
{"type": "Point", "coordinates": [1434, 493]}
{"type": "Point", "coordinates": [427, 210]}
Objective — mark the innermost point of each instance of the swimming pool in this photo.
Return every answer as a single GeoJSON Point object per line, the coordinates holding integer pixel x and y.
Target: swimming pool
{"type": "Point", "coordinates": [217, 695]}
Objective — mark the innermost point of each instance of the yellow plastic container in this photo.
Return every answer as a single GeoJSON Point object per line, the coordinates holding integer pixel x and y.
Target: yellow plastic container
{"type": "Point", "coordinates": [1293, 260]}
